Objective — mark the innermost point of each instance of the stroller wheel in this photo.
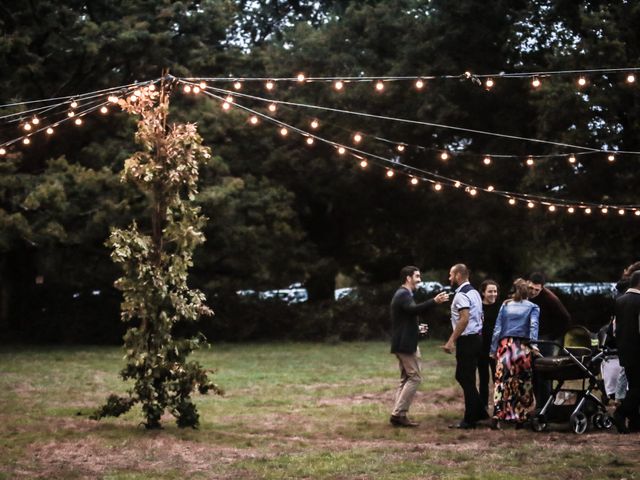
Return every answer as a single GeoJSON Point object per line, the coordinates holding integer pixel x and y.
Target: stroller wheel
{"type": "Point", "coordinates": [607, 422]}
{"type": "Point", "coordinates": [597, 420]}
{"type": "Point", "coordinates": [579, 422]}
{"type": "Point", "coordinates": [538, 423]}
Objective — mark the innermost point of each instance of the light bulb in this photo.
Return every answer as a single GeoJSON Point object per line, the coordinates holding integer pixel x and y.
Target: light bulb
{"type": "Point", "coordinates": [152, 88]}
{"type": "Point", "coordinates": [535, 83]}
{"type": "Point", "coordinates": [284, 132]}
{"type": "Point", "coordinates": [631, 78]}
{"type": "Point", "coordinates": [104, 109]}
{"type": "Point", "coordinates": [26, 141]}
{"type": "Point", "coordinates": [74, 104]}
{"type": "Point", "coordinates": [512, 201]}
{"type": "Point", "coordinates": [71, 114]}
{"type": "Point", "coordinates": [490, 188]}
{"type": "Point", "coordinates": [390, 173]}
{"type": "Point", "coordinates": [571, 209]}
{"type": "Point", "coordinates": [489, 83]}
{"type": "Point", "coordinates": [203, 85]}
{"type": "Point", "coordinates": [270, 85]}
{"type": "Point", "coordinates": [3, 151]}
{"type": "Point", "coordinates": [27, 126]}
{"type": "Point", "coordinates": [196, 89]}
{"type": "Point", "coordinates": [315, 124]}
{"type": "Point", "coordinates": [237, 85]}
{"type": "Point", "coordinates": [552, 208]}
{"type": "Point", "coordinates": [229, 99]}
{"type": "Point", "coordinates": [605, 210]}
{"type": "Point", "coordinates": [357, 138]}
{"type": "Point", "coordinates": [444, 155]}
{"type": "Point", "coordinates": [379, 86]}
{"type": "Point", "coordinates": [572, 158]}
{"type": "Point", "coordinates": [338, 85]}
{"type": "Point", "coordinates": [301, 77]}
{"type": "Point", "coordinates": [133, 98]}
{"type": "Point", "coordinates": [35, 120]}
{"type": "Point", "coordinates": [637, 213]}
{"type": "Point", "coordinates": [530, 161]}
{"type": "Point", "coordinates": [437, 187]}
{"type": "Point", "coordinates": [112, 99]}
{"type": "Point", "coordinates": [587, 211]}
{"type": "Point", "coordinates": [253, 120]}
{"type": "Point", "coordinates": [49, 131]}
{"type": "Point", "coordinates": [272, 107]}
{"type": "Point", "coordinates": [78, 121]}
{"type": "Point", "coordinates": [530, 205]}
{"type": "Point", "coordinates": [419, 84]}
{"type": "Point", "coordinates": [309, 141]}
{"type": "Point", "coordinates": [582, 81]}
{"type": "Point", "coordinates": [621, 211]}
{"type": "Point", "coordinates": [414, 181]}
{"type": "Point", "coordinates": [187, 89]}
{"type": "Point", "coordinates": [457, 184]}
{"type": "Point", "coordinates": [400, 148]}
{"type": "Point", "coordinates": [473, 192]}
{"type": "Point", "coordinates": [226, 105]}
{"type": "Point", "coordinates": [342, 150]}
{"type": "Point", "coordinates": [363, 164]}
{"type": "Point", "coordinates": [487, 160]}
{"type": "Point", "coordinates": [611, 157]}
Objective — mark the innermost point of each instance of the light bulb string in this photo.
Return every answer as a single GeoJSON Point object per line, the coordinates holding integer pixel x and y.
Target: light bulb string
{"type": "Point", "coordinates": [388, 78]}
{"type": "Point", "coordinates": [426, 175]}
{"type": "Point", "coordinates": [422, 123]}
{"type": "Point", "coordinates": [80, 96]}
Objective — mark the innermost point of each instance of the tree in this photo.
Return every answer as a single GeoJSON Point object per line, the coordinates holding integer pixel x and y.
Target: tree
{"type": "Point", "coordinates": [156, 295]}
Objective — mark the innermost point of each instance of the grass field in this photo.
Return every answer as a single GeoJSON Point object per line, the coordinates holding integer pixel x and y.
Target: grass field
{"type": "Point", "coordinates": [291, 410]}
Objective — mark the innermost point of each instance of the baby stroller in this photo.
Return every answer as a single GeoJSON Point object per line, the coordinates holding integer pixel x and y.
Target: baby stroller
{"type": "Point", "coordinates": [579, 360]}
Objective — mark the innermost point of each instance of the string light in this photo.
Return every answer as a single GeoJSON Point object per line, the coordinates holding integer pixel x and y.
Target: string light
{"type": "Point", "coordinates": [315, 124]}
{"type": "Point", "coordinates": [104, 110]}
{"type": "Point", "coordinates": [637, 213]}
{"type": "Point", "coordinates": [229, 99]}
{"type": "Point", "coordinates": [26, 141]}
{"type": "Point", "coordinates": [342, 150]}
{"type": "Point", "coordinates": [419, 84]}
{"type": "Point", "coordinates": [444, 155]}
{"type": "Point", "coordinates": [457, 184]}
{"type": "Point", "coordinates": [196, 90]}
{"type": "Point", "coordinates": [253, 120]}
{"type": "Point", "coordinates": [74, 104]}
{"type": "Point", "coordinates": [27, 126]}
{"type": "Point", "coordinates": [611, 157]}
{"type": "Point", "coordinates": [400, 148]}
{"type": "Point", "coordinates": [486, 160]}
{"type": "Point", "coordinates": [552, 208]}
{"type": "Point", "coordinates": [572, 158]}
{"type": "Point", "coordinates": [363, 164]}
{"type": "Point", "coordinates": [284, 132]}
{"type": "Point", "coordinates": [134, 97]}
{"type": "Point", "coordinates": [35, 120]}
{"type": "Point", "coordinates": [490, 188]}
{"type": "Point", "coordinates": [582, 81]}
{"type": "Point", "coordinates": [414, 181]}
{"type": "Point", "coordinates": [571, 209]}
{"type": "Point", "coordinates": [357, 138]}
{"type": "Point", "coordinates": [621, 211]}
{"type": "Point", "coordinates": [489, 83]}
{"type": "Point", "coordinates": [49, 131]}
{"type": "Point", "coordinates": [631, 78]}
{"type": "Point", "coordinates": [272, 107]}
{"type": "Point", "coordinates": [3, 151]}
{"type": "Point", "coordinates": [587, 211]}
{"type": "Point", "coordinates": [379, 86]}
{"type": "Point", "coordinates": [339, 85]}
{"type": "Point", "coordinates": [473, 192]}
{"type": "Point", "coordinates": [203, 85]}
{"type": "Point", "coordinates": [301, 78]}
{"type": "Point", "coordinates": [270, 85]}
{"type": "Point", "coordinates": [226, 105]}
{"type": "Point", "coordinates": [390, 173]}
{"type": "Point", "coordinates": [530, 204]}
{"type": "Point", "coordinates": [437, 187]}
{"type": "Point", "coordinates": [535, 83]}
{"type": "Point", "coordinates": [78, 121]}
{"type": "Point", "coordinates": [187, 89]}
{"type": "Point", "coordinates": [71, 114]}
{"type": "Point", "coordinates": [237, 85]}
{"type": "Point", "coordinates": [530, 161]}
{"type": "Point", "coordinates": [604, 210]}
{"type": "Point", "coordinates": [309, 140]}
{"type": "Point", "coordinates": [512, 201]}
{"type": "Point", "coordinates": [113, 99]}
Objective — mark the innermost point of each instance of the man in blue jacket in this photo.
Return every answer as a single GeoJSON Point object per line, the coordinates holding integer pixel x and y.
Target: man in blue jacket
{"type": "Point", "coordinates": [404, 342]}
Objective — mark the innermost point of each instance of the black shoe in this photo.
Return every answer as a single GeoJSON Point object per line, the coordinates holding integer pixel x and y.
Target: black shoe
{"type": "Point", "coordinates": [402, 421]}
{"type": "Point", "coordinates": [463, 425]}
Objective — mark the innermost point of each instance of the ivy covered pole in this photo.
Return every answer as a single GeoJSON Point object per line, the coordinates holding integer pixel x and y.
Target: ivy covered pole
{"type": "Point", "coordinates": [156, 296]}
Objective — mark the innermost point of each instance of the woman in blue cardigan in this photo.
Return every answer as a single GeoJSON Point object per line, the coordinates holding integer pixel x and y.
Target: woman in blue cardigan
{"type": "Point", "coordinates": [511, 345]}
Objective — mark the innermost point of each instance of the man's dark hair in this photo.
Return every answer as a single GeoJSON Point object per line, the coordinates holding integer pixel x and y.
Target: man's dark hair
{"type": "Point", "coordinates": [407, 271]}
{"type": "Point", "coordinates": [635, 279]}
{"type": "Point", "coordinates": [537, 278]}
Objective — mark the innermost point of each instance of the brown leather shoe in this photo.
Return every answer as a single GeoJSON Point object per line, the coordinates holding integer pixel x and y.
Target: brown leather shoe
{"type": "Point", "coordinates": [402, 421]}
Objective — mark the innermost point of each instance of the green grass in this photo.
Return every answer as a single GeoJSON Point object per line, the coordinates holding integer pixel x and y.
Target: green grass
{"type": "Point", "coordinates": [292, 410]}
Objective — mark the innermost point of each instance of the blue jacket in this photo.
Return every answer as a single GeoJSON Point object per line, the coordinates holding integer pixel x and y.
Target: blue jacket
{"type": "Point", "coordinates": [516, 319]}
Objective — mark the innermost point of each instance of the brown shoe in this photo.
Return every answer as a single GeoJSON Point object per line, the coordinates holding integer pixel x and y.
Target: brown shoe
{"type": "Point", "coordinates": [402, 421]}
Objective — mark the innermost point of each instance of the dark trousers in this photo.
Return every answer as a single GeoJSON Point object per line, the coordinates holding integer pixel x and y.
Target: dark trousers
{"type": "Point", "coordinates": [486, 373]}
{"type": "Point", "coordinates": [468, 352]}
{"type": "Point", "coordinates": [542, 388]}
{"type": "Point", "coordinates": [630, 406]}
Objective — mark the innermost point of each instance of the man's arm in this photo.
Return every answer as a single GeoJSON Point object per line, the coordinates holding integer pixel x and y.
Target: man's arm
{"type": "Point", "coordinates": [408, 305]}
{"type": "Point", "coordinates": [460, 327]}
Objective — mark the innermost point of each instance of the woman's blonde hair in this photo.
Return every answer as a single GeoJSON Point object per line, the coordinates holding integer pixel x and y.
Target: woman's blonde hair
{"type": "Point", "coordinates": [520, 290]}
